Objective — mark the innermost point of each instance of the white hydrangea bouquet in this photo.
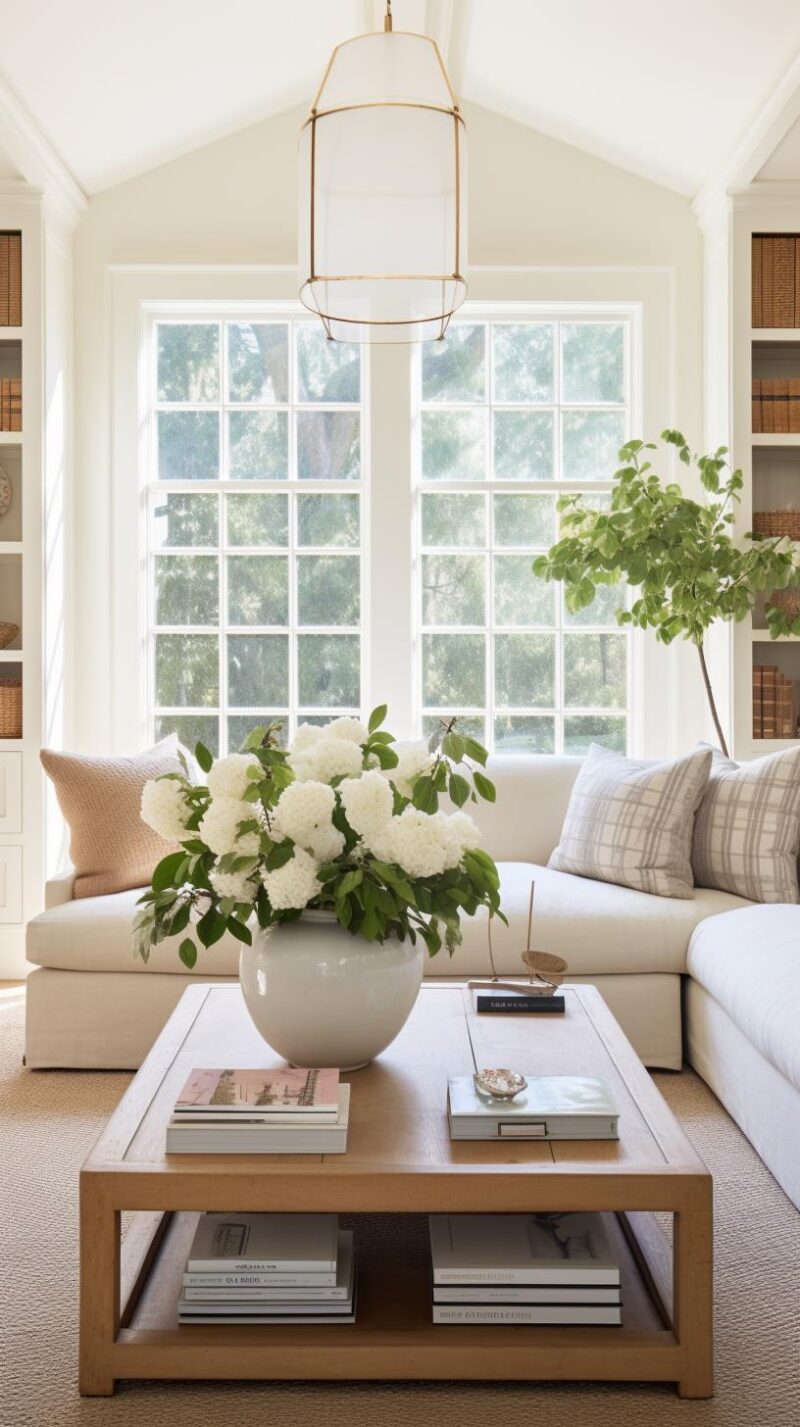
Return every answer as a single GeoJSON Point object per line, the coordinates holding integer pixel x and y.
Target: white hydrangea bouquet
{"type": "Point", "coordinates": [346, 820]}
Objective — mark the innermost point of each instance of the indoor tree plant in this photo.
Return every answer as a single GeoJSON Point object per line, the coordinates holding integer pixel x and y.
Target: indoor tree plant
{"type": "Point", "coordinates": [678, 553]}
{"type": "Point", "coordinates": [333, 866]}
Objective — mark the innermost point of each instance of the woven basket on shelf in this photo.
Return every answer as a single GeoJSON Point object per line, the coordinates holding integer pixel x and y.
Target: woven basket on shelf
{"type": "Point", "coordinates": [777, 522]}
{"type": "Point", "coordinates": [787, 600]}
{"type": "Point", "coordinates": [8, 633]}
{"type": "Point", "coordinates": [10, 708]}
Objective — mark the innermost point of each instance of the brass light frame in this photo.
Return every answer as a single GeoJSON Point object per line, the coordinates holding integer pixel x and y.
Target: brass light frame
{"type": "Point", "coordinates": [308, 294]}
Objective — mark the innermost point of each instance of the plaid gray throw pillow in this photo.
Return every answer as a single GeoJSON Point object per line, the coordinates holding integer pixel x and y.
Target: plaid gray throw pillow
{"type": "Point", "coordinates": [747, 831]}
{"type": "Point", "coordinates": [630, 821]}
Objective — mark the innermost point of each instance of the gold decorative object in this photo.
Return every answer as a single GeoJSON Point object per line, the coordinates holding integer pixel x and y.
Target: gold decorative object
{"type": "Point", "coordinates": [548, 969]}
{"type": "Point", "coordinates": [382, 213]}
{"type": "Point", "coordinates": [499, 1084]}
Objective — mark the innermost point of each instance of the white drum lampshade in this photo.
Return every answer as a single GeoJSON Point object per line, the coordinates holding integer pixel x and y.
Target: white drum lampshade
{"type": "Point", "coordinates": [382, 223]}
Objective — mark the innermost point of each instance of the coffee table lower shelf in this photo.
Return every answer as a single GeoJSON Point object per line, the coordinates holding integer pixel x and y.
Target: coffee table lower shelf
{"type": "Point", "coordinates": [393, 1337]}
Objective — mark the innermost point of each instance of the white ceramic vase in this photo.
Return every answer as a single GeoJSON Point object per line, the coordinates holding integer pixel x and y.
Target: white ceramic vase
{"type": "Point", "coordinates": [321, 997]}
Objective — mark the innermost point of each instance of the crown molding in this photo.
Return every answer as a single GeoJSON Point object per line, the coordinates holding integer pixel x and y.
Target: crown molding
{"type": "Point", "coordinates": [37, 160]}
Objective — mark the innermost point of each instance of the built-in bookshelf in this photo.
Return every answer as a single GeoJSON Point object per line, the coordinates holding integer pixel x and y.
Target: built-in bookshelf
{"type": "Point", "coordinates": [765, 287]}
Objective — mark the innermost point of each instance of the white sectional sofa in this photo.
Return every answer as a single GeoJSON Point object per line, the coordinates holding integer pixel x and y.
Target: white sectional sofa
{"type": "Point", "coordinates": [90, 1004]}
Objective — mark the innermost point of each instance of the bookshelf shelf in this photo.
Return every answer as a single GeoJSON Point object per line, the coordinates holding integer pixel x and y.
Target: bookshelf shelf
{"type": "Point", "coordinates": [761, 636]}
{"type": "Point", "coordinates": [10, 334]}
{"type": "Point", "coordinates": [11, 656]}
{"type": "Point", "coordinates": [775, 334]}
{"type": "Point", "coordinates": [10, 438]}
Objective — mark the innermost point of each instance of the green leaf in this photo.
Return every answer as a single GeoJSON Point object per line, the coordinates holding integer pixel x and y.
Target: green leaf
{"type": "Point", "coordinates": [164, 874]}
{"type": "Point", "coordinates": [204, 758]}
{"type": "Point", "coordinates": [377, 716]}
{"type": "Point", "coordinates": [187, 951]}
{"type": "Point", "coordinates": [453, 746]}
{"type": "Point", "coordinates": [350, 880]}
{"type": "Point", "coordinates": [238, 930]}
{"type": "Point", "coordinates": [476, 751]}
{"type": "Point", "coordinates": [211, 927]}
{"type": "Point", "coordinates": [459, 789]}
{"type": "Point", "coordinates": [485, 787]}
{"type": "Point", "coordinates": [425, 797]}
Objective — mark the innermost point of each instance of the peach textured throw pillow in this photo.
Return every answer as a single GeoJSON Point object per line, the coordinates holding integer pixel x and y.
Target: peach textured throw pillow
{"type": "Point", "coordinates": [111, 848]}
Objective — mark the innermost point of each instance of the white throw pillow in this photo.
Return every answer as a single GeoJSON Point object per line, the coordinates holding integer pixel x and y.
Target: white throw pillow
{"type": "Point", "coordinates": [630, 821]}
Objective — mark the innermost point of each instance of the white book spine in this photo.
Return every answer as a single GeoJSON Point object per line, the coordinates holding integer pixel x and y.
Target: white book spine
{"type": "Point", "coordinates": [527, 1313]}
{"type": "Point", "coordinates": [263, 1266]}
{"type": "Point", "coordinates": [542, 1278]}
{"type": "Point", "coordinates": [498, 1293]}
{"type": "Point", "coordinates": [257, 1280]}
{"type": "Point", "coordinates": [250, 1294]}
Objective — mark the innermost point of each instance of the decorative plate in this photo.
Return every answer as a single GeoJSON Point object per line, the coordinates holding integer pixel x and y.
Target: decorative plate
{"type": "Point", "coordinates": [5, 492]}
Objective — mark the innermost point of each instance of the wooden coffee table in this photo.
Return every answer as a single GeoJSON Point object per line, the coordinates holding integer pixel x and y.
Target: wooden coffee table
{"type": "Point", "coordinates": [400, 1160]}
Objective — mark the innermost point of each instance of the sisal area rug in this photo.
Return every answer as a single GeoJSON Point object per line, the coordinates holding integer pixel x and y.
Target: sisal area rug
{"type": "Point", "coordinates": [48, 1121]}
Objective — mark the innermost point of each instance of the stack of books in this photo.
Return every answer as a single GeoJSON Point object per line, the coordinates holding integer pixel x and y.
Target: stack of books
{"type": "Point", "coordinates": [260, 1112]}
{"type": "Point", "coordinates": [10, 404]}
{"type": "Point", "coordinates": [269, 1268]}
{"type": "Point", "coordinates": [776, 405]}
{"type": "Point", "coordinates": [775, 707]}
{"type": "Point", "coordinates": [10, 279]}
{"type": "Point", "coordinates": [551, 1107]}
{"type": "Point", "coordinates": [524, 1268]}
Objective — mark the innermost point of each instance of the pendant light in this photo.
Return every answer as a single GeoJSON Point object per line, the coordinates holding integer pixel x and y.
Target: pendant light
{"type": "Point", "coordinates": [382, 222]}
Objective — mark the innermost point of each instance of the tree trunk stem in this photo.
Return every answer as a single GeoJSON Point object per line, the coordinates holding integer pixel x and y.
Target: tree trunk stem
{"type": "Point", "coordinates": [711, 702]}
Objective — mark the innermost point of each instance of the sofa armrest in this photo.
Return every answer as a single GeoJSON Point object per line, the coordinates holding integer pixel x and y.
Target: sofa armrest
{"type": "Point", "coordinates": [58, 890]}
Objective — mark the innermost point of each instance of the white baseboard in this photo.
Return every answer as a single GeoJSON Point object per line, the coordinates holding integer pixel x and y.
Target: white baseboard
{"type": "Point", "coordinates": [13, 966]}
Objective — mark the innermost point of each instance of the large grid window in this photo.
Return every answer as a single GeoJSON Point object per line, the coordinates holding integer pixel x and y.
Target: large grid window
{"type": "Point", "coordinates": [511, 413]}
{"type": "Point", "coordinates": [255, 497]}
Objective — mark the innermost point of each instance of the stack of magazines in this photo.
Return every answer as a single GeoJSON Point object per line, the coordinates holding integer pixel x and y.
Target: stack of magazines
{"type": "Point", "coordinates": [269, 1268]}
{"type": "Point", "coordinates": [260, 1112]}
{"type": "Point", "coordinates": [523, 1268]}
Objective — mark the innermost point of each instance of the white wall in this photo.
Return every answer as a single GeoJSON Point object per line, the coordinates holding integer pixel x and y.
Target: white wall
{"type": "Point", "coordinates": [532, 201]}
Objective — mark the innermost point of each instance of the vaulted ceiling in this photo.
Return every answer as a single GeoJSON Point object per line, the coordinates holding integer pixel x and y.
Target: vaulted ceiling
{"type": "Point", "coordinates": [662, 87]}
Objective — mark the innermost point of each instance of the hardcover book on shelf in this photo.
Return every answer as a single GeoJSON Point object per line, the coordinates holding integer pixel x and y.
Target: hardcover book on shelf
{"type": "Point", "coordinates": [14, 280]}
{"type": "Point", "coordinates": [265, 1243]}
{"type": "Point", "coordinates": [282, 1295]}
{"type": "Point", "coordinates": [287, 1094]}
{"type": "Point", "coordinates": [519, 1002]}
{"type": "Point", "coordinates": [757, 695]}
{"type": "Point", "coordinates": [577, 1293]}
{"type": "Point", "coordinates": [552, 1107]}
{"type": "Point", "coordinates": [261, 1134]}
{"type": "Point", "coordinates": [539, 1249]}
{"type": "Point", "coordinates": [574, 1314]}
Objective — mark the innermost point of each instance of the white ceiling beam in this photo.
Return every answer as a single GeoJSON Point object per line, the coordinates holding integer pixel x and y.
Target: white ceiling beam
{"type": "Point", "coordinates": [759, 141]}
{"type": "Point", "coordinates": [36, 159]}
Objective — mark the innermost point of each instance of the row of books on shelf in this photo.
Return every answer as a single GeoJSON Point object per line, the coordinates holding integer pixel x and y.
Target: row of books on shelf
{"type": "Point", "coordinates": [775, 703]}
{"type": "Point", "coordinates": [294, 1111]}
{"type": "Point", "coordinates": [776, 280]}
{"type": "Point", "coordinates": [10, 404]}
{"type": "Point", "coordinates": [776, 405]}
{"type": "Point", "coordinates": [10, 279]}
{"type": "Point", "coordinates": [485, 1268]}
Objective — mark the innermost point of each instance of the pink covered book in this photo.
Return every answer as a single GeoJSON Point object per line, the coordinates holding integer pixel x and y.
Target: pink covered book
{"type": "Point", "coordinates": [257, 1093]}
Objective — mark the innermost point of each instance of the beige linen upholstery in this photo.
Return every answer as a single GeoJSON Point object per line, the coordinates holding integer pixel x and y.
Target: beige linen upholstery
{"type": "Point", "coordinates": [111, 848]}
{"type": "Point", "coordinates": [747, 829]}
{"type": "Point", "coordinates": [630, 821]}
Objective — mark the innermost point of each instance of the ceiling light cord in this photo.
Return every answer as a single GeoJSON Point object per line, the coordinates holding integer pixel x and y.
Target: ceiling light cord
{"type": "Point", "coordinates": [387, 23]}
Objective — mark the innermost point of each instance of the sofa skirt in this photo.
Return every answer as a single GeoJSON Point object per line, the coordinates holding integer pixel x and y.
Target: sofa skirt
{"type": "Point", "coordinates": [103, 1020]}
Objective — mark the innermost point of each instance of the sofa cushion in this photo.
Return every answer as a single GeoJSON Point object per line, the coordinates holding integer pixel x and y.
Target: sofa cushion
{"type": "Point", "coordinates": [630, 821]}
{"type": "Point", "coordinates": [747, 829]}
{"type": "Point", "coordinates": [749, 961]}
{"type": "Point", "coordinates": [597, 926]}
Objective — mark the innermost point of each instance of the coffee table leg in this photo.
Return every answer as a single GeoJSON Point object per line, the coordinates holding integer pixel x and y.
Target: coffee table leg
{"type": "Point", "coordinates": [99, 1290]}
{"type": "Point", "coordinates": [693, 1292]}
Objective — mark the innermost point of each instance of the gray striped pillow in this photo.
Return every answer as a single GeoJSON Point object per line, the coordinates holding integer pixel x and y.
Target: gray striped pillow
{"type": "Point", "coordinates": [630, 821]}
{"type": "Point", "coordinates": [747, 831]}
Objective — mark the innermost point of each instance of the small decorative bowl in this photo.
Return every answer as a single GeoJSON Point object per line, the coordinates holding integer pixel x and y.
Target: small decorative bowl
{"type": "Point", "coordinates": [499, 1084]}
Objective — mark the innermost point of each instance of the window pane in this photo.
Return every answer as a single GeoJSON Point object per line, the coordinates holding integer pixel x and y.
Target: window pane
{"type": "Point", "coordinates": [593, 360]}
{"type": "Point", "coordinates": [329, 670]}
{"type": "Point", "coordinates": [453, 445]}
{"type": "Point", "coordinates": [240, 725]}
{"type": "Point", "coordinates": [453, 670]}
{"type": "Point", "coordinates": [328, 445]}
{"type": "Point", "coordinates": [326, 371]}
{"type": "Point", "coordinates": [590, 444]}
{"type": "Point", "coordinates": [453, 589]}
{"type": "Point", "coordinates": [467, 723]}
{"type": "Point", "coordinates": [453, 520]}
{"type": "Point", "coordinates": [595, 673]}
{"type": "Point", "coordinates": [257, 519]}
{"type": "Point", "coordinates": [258, 445]}
{"type": "Point", "coordinates": [328, 519]}
{"type": "Point", "coordinates": [519, 597]}
{"type": "Point", "coordinates": [258, 670]}
{"type": "Point", "coordinates": [187, 674]}
{"type": "Point", "coordinates": [523, 361]}
{"type": "Point", "coordinates": [455, 369]}
{"type": "Point", "coordinates": [187, 589]}
{"type": "Point", "coordinates": [188, 361]}
{"type": "Point", "coordinates": [328, 589]}
{"type": "Point", "coordinates": [516, 734]}
{"type": "Point", "coordinates": [523, 446]}
{"type": "Point", "coordinates": [191, 730]}
{"type": "Point", "coordinates": [185, 520]}
{"type": "Point", "coordinates": [524, 520]}
{"type": "Point", "coordinates": [602, 610]}
{"type": "Point", "coordinates": [188, 446]}
{"type": "Point", "coordinates": [258, 361]}
{"type": "Point", "coordinates": [258, 589]}
{"type": "Point", "coordinates": [524, 670]}
{"type": "Point", "coordinates": [581, 730]}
